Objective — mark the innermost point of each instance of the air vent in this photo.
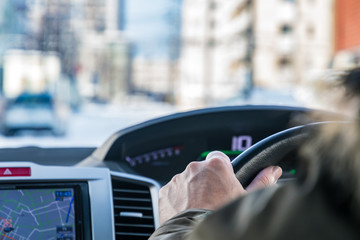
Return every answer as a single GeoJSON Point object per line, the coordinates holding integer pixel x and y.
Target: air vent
{"type": "Point", "coordinates": [133, 212]}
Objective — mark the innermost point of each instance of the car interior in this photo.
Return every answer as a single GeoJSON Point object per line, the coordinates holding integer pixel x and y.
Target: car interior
{"type": "Point", "coordinates": [102, 103]}
{"type": "Point", "coordinates": [111, 192]}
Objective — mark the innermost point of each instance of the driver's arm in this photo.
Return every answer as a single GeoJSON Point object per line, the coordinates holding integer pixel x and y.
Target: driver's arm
{"type": "Point", "coordinates": [200, 189]}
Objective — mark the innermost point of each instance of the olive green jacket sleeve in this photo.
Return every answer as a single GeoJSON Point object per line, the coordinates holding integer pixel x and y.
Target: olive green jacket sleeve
{"type": "Point", "coordinates": [189, 223]}
{"type": "Point", "coordinates": [273, 213]}
{"type": "Point", "coordinates": [180, 225]}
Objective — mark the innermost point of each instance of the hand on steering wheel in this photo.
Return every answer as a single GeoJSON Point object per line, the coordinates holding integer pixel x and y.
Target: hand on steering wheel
{"type": "Point", "coordinates": [209, 185]}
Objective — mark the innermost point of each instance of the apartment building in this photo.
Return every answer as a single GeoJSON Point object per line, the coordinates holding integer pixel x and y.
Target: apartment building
{"type": "Point", "coordinates": [231, 46]}
{"type": "Point", "coordinates": [347, 34]}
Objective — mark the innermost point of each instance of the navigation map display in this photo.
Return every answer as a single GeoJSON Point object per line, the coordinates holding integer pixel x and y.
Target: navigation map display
{"type": "Point", "coordinates": [41, 213]}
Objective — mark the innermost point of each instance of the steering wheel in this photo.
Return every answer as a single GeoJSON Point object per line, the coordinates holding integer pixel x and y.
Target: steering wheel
{"type": "Point", "coordinates": [269, 151]}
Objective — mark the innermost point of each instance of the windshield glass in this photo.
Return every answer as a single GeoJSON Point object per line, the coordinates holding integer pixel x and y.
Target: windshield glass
{"type": "Point", "coordinates": [73, 72]}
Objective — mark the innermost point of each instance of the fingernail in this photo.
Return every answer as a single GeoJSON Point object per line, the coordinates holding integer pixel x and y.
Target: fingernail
{"type": "Point", "coordinates": [277, 171]}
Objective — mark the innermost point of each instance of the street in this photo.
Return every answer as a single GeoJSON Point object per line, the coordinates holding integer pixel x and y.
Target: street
{"type": "Point", "coordinates": [92, 125]}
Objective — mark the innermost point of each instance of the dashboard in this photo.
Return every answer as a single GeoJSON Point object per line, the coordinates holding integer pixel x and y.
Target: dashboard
{"type": "Point", "coordinates": [163, 147]}
{"type": "Point", "coordinates": [112, 192]}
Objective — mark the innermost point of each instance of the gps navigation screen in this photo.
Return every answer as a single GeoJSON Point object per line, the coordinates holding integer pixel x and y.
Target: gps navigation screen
{"type": "Point", "coordinates": [43, 213]}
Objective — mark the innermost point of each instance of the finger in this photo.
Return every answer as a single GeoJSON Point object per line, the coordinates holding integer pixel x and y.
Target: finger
{"type": "Point", "coordinates": [192, 168]}
{"type": "Point", "coordinates": [265, 178]}
{"type": "Point", "coordinates": [219, 155]}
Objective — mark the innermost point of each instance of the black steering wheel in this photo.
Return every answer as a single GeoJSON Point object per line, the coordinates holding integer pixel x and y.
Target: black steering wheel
{"type": "Point", "coordinates": [269, 151]}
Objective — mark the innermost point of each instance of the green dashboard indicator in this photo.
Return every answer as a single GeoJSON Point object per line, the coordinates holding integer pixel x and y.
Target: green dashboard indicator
{"type": "Point", "coordinates": [227, 152]}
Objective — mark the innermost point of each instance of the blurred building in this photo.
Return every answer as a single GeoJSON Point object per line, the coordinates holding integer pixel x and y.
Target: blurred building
{"type": "Point", "coordinates": [13, 24]}
{"type": "Point", "coordinates": [153, 28]}
{"type": "Point", "coordinates": [104, 67]}
{"type": "Point", "coordinates": [84, 34]}
{"type": "Point", "coordinates": [347, 34]}
{"type": "Point", "coordinates": [314, 39]}
{"type": "Point", "coordinates": [152, 77]}
{"type": "Point", "coordinates": [29, 71]}
{"type": "Point", "coordinates": [231, 46]}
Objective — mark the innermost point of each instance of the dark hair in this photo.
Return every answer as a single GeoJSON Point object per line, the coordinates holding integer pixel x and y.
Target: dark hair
{"type": "Point", "coordinates": [351, 82]}
{"type": "Point", "coordinates": [332, 155]}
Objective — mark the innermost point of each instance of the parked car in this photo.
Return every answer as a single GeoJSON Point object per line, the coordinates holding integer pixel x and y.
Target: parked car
{"type": "Point", "coordinates": [30, 112]}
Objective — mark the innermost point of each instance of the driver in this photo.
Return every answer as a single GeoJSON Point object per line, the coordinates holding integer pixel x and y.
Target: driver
{"type": "Point", "coordinates": [207, 202]}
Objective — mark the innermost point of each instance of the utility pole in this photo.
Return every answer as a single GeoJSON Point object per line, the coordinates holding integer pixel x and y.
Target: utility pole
{"type": "Point", "coordinates": [207, 48]}
{"type": "Point", "coordinates": [250, 38]}
{"type": "Point", "coordinates": [174, 18]}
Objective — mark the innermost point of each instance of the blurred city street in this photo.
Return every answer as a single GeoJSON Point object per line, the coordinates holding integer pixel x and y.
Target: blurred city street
{"type": "Point", "coordinates": [92, 125]}
{"type": "Point", "coordinates": [92, 60]}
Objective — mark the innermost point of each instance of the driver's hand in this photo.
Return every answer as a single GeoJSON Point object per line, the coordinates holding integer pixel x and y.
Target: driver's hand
{"type": "Point", "coordinates": [209, 184]}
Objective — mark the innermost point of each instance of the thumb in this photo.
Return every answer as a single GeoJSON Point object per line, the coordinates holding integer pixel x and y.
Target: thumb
{"type": "Point", "coordinates": [265, 178]}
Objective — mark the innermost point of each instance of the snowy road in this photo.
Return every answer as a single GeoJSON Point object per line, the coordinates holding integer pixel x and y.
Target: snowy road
{"type": "Point", "coordinates": [91, 126]}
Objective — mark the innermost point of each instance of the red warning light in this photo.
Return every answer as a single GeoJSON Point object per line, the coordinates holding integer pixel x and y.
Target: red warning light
{"type": "Point", "coordinates": [15, 172]}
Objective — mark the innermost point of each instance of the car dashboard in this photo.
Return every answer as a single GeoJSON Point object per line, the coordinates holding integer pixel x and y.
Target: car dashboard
{"type": "Point", "coordinates": [113, 192]}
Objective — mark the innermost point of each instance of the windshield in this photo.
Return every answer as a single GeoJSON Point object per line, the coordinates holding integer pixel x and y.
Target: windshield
{"type": "Point", "coordinates": [73, 72]}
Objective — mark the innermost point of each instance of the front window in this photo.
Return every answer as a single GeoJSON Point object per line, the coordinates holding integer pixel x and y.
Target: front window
{"type": "Point", "coordinates": [105, 65]}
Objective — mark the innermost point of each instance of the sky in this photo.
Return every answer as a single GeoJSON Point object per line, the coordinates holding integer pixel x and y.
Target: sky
{"type": "Point", "coordinates": [151, 26]}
